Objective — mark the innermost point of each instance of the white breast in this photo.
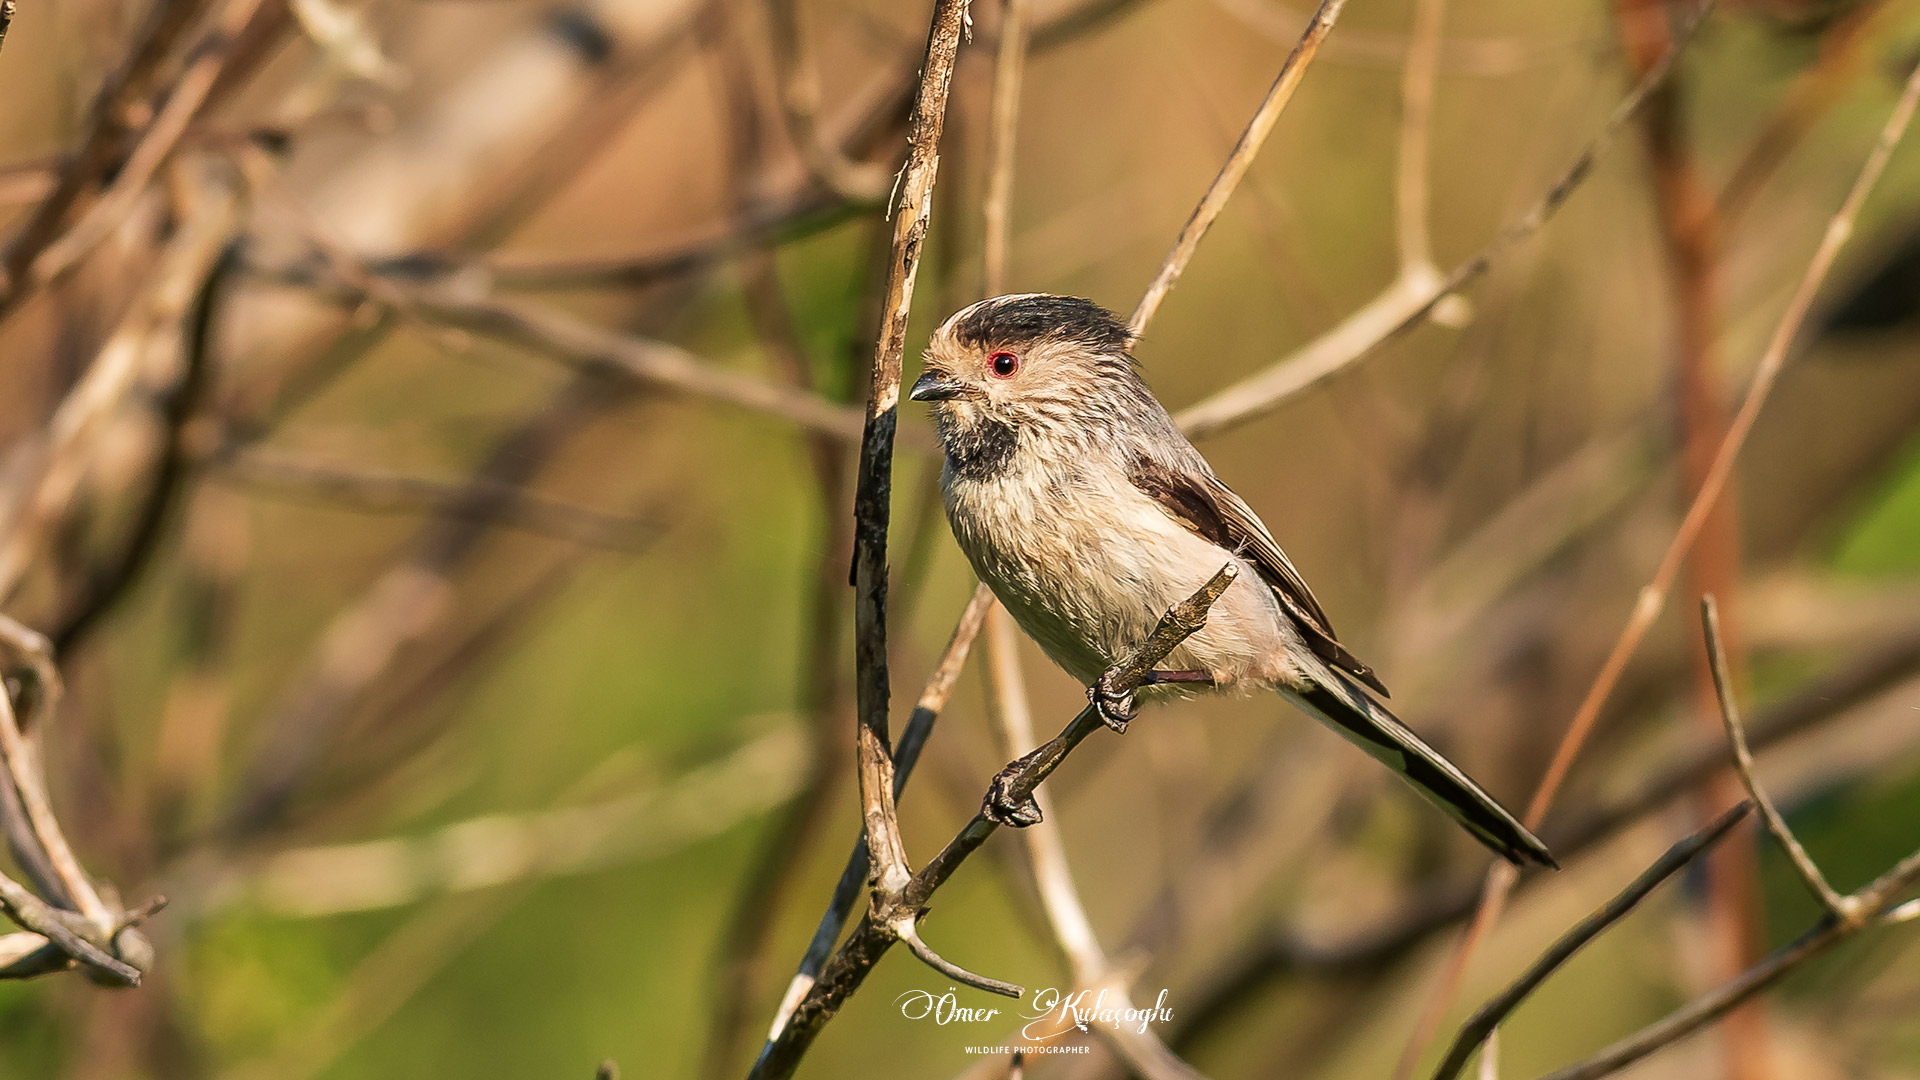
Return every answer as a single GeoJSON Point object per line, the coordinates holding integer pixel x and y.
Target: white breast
{"type": "Point", "coordinates": [1086, 563]}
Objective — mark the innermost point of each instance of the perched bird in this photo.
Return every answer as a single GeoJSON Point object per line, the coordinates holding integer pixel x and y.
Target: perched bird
{"type": "Point", "coordinates": [1089, 515]}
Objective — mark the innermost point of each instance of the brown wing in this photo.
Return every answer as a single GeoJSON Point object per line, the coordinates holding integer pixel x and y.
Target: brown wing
{"type": "Point", "coordinates": [1199, 501]}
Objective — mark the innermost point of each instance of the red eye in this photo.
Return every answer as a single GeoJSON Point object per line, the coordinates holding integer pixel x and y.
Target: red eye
{"type": "Point", "coordinates": [1004, 364]}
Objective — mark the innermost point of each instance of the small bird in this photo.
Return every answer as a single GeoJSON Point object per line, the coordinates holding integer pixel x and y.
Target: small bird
{"type": "Point", "coordinates": [1086, 511]}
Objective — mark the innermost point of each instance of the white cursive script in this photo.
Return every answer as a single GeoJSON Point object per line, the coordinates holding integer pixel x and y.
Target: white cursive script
{"type": "Point", "coordinates": [945, 1009]}
{"type": "Point", "coordinates": [1075, 1012]}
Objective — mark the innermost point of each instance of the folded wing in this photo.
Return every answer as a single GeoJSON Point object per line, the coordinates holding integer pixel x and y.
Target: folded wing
{"type": "Point", "coordinates": [1198, 500]}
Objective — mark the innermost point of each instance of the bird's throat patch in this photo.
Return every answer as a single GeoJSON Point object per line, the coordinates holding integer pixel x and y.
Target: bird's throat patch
{"type": "Point", "coordinates": [981, 450]}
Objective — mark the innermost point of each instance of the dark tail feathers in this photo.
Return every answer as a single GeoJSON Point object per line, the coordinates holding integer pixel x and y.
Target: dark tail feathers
{"type": "Point", "coordinates": [1368, 725]}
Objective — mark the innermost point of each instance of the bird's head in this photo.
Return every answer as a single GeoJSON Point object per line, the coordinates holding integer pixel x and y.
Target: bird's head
{"type": "Point", "coordinates": [1024, 361]}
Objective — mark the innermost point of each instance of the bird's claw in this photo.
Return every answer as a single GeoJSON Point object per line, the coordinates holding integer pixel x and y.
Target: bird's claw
{"type": "Point", "coordinates": [1116, 707]}
{"type": "Point", "coordinates": [1006, 805]}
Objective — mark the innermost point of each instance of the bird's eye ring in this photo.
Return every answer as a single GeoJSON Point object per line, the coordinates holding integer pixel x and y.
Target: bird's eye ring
{"type": "Point", "coordinates": [1003, 364]}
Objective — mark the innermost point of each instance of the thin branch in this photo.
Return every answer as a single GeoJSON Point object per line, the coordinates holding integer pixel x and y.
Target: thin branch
{"type": "Point", "coordinates": [583, 345]}
{"type": "Point", "coordinates": [1237, 163]}
{"type": "Point", "coordinates": [18, 756]}
{"type": "Point", "coordinates": [1482, 1025]}
{"type": "Point", "coordinates": [90, 933]}
{"type": "Point", "coordinates": [1875, 907]}
{"type": "Point", "coordinates": [1413, 188]}
{"type": "Point", "coordinates": [188, 94]}
{"type": "Point", "coordinates": [1411, 297]}
{"type": "Point", "coordinates": [858, 182]}
{"type": "Point", "coordinates": [1009, 67]}
{"type": "Point", "coordinates": [99, 150]}
{"type": "Point", "coordinates": [1653, 595]}
{"type": "Point", "coordinates": [933, 700]}
{"type": "Point", "coordinates": [495, 849]}
{"type": "Point", "coordinates": [380, 491]}
{"type": "Point", "coordinates": [873, 490]}
{"type": "Point", "coordinates": [908, 931]}
{"type": "Point", "coordinates": [1840, 907]}
{"type": "Point", "coordinates": [1045, 848]}
{"type": "Point", "coordinates": [1280, 952]}
{"type": "Point", "coordinates": [870, 940]}
{"type": "Point", "coordinates": [36, 915]}
{"type": "Point", "coordinates": [170, 474]}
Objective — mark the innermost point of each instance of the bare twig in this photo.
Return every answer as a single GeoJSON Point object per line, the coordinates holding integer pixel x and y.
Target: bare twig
{"type": "Point", "coordinates": [933, 699]}
{"type": "Point", "coordinates": [1237, 163]}
{"type": "Point", "coordinates": [379, 490]}
{"type": "Point", "coordinates": [586, 346]}
{"type": "Point", "coordinates": [877, 932]}
{"type": "Point", "coordinates": [56, 928]}
{"type": "Point", "coordinates": [89, 932]}
{"type": "Point", "coordinates": [188, 94]}
{"type": "Point", "coordinates": [873, 489]}
{"type": "Point", "coordinates": [1409, 298]}
{"type": "Point", "coordinates": [1482, 1025]}
{"type": "Point", "coordinates": [99, 150]}
{"type": "Point", "coordinates": [23, 770]}
{"type": "Point", "coordinates": [1412, 188]}
{"type": "Point", "coordinates": [1279, 952]}
{"type": "Point", "coordinates": [1874, 905]}
{"type": "Point", "coordinates": [141, 342]}
{"type": "Point", "coordinates": [1066, 916]}
{"type": "Point", "coordinates": [1009, 67]}
{"type": "Point", "coordinates": [1652, 598]}
{"type": "Point", "coordinates": [854, 181]}
{"type": "Point", "coordinates": [496, 849]}
{"type": "Point", "coordinates": [1840, 907]}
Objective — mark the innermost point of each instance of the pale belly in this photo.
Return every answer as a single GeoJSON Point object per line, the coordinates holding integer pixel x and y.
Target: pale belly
{"type": "Point", "coordinates": [1087, 571]}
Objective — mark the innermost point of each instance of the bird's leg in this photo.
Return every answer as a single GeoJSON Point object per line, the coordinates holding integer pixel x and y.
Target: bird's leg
{"type": "Point", "coordinates": [1118, 709]}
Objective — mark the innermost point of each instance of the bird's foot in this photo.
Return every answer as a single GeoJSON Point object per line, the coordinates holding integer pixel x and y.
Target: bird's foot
{"type": "Point", "coordinates": [1116, 708]}
{"type": "Point", "coordinates": [1005, 804]}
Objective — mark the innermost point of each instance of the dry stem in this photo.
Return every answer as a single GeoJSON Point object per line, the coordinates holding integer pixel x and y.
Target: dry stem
{"type": "Point", "coordinates": [1236, 165]}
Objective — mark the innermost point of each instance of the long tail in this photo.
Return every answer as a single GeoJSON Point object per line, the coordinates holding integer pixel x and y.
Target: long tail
{"type": "Point", "coordinates": [1341, 705]}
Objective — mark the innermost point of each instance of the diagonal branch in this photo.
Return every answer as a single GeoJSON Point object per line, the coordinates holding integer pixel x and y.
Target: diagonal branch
{"type": "Point", "coordinates": [933, 699]}
{"type": "Point", "coordinates": [1653, 596]}
{"type": "Point", "coordinates": [1236, 165]}
{"type": "Point", "coordinates": [1091, 967]}
{"type": "Point", "coordinates": [877, 932]}
{"type": "Point", "coordinates": [1840, 907]}
{"type": "Point", "coordinates": [381, 490]}
{"type": "Point", "coordinates": [1481, 1027]}
{"type": "Point", "coordinates": [1411, 296]}
{"type": "Point", "coordinates": [1873, 906]}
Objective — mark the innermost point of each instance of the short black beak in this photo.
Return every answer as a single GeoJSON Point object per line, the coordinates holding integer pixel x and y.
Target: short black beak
{"type": "Point", "coordinates": [932, 387]}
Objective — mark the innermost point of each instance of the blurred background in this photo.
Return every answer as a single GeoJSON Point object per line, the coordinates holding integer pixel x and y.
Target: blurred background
{"type": "Point", "coordinates": [428, 449]}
